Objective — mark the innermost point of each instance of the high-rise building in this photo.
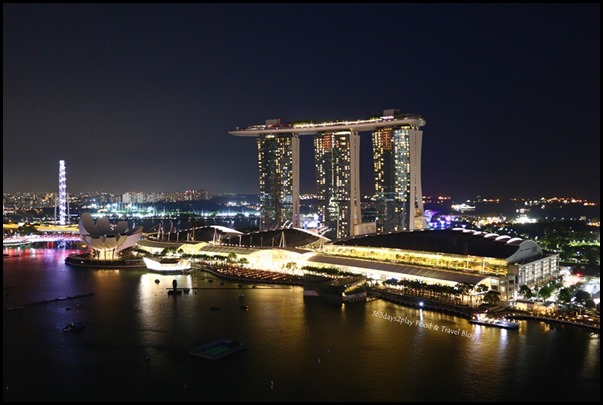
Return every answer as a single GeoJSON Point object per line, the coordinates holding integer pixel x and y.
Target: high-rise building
{"type": "Point", "coordinates": [278, 162]}
{"type": "Point", "coordinates": [337, 156]}
{"type": "Point", "coordinates": [133, 197]}
{"type": "Point", "coordinates": [397, 148]}
{"type": "Point", "coordinates": [397, 164]}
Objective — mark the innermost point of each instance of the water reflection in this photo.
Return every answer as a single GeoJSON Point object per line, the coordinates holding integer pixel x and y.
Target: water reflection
{"type": "Point", "coordinates": [137, 342]}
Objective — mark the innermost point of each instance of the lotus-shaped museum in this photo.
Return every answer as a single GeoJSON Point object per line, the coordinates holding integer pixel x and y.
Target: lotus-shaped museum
{"type": "Point", "coordinates": [107, 240]}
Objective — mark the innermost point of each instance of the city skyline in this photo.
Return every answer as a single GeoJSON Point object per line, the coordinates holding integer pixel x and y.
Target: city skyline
{"type": "Point", "coordinates": [142, 97]}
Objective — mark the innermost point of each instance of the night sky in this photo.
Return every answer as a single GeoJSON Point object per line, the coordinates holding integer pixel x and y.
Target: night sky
{"type": "Point", "coordinates": [140, 97]}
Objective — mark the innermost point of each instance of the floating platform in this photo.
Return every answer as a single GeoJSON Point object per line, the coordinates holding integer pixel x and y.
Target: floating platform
{"type": "Point", "coordinates": [167, 265]}
{"type": "Point", "coordinates": [218, 349]}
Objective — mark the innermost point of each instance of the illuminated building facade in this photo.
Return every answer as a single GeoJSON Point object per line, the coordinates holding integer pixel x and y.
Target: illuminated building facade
{"type": "Point", "coordinates": [62, 193]}
{"type": "Point", "coordinates": [397, 163]}
{"type": "Point", "coordinates": [459, 258]}
{"type": "Point", "coordinates": [278, 162]}
{"type": "Point", "coordinates": [337, 156]}
{"type": "Point", "coordinates": [499, 262]}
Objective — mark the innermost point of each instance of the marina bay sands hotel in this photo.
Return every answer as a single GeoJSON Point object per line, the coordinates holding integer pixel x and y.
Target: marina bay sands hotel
{"type": "Point", "coordinates": [396, 140]}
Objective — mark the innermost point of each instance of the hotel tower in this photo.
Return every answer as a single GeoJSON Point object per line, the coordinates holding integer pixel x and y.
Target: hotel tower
{"type": "Point", "coordinates": [278, 160]}
{"type": "Point", "coordinates": [396, 142]}
{"type": "Point", "coordinates": [398, 194]}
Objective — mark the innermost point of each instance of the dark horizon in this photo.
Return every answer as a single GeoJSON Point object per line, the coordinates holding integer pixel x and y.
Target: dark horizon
{"type": "Point", "coordinates": [140, 97]}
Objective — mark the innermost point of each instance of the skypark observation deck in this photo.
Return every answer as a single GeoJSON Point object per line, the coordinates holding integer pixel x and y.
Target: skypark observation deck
{"type": "Point", "coordinates": [414, 121]}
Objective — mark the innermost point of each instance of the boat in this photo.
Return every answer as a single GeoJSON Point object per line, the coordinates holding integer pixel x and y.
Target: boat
{"type": "Point", "coordinates": [217, 349]}
{"type": "Point", "coordinates": [500, 323]}
{"type": "Point", "coordinates": [74, 327]}
{"type": "Point", "coordinates": [167, 265]}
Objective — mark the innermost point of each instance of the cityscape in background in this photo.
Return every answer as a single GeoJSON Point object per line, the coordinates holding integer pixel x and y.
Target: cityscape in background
{"type": "Point", "coordinates": [568, 227]}
{"type": "Point", "coordinates": [544, 233]}
{"type": "Point", "coordinates": [573, 219]}
{"type": "Point", "coordinates": [42, 207]}
{"type": "Point", "coordinates": [338, 209]}
{"type": "Point", "coordinates": [471, 257]}
{"type": "Point", "coordinates": [207, 203]}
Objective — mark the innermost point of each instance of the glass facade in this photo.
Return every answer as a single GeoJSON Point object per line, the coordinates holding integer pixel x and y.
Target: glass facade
{"type": "Point", "coordinates": [396, 157]}
{"type": "Point", "coordinates": [277, 177]}
{"type": "Point", "coordinates": [336, 156]}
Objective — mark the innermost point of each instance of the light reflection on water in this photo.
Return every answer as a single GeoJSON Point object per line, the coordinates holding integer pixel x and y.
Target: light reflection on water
{"type": "Point", "coordinates": [137, 341]}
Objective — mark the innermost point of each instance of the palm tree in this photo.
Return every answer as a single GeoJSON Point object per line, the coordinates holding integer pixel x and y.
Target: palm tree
{"type": "Point", "coordinates": [525, 291]}
{"type": "Point", "coordinates": [492, 297]}
{"type": "Point", "coordinates": [464, 289]}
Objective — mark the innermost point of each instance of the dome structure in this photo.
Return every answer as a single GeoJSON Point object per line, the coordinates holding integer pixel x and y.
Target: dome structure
{"type": "Point", "coordinates": [107, 239]}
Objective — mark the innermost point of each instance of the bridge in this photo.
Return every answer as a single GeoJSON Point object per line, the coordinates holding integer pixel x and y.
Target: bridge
{"type": "Point", "coordinates": [51, 233]}
{"type": "Point", "coordinates": [27, 239]}
{"type": "Point", "coordinates": [46, 227]}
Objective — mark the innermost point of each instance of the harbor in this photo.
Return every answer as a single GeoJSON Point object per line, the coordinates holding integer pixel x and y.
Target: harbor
{"type": "Point", "coordinates": [137, 341]}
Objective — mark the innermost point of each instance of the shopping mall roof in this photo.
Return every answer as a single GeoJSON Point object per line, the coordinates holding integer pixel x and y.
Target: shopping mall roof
{"type": "Point", "coordinates": [226, 250]}
{"type": "Point", "coordinates": [206, 233]}
{"type": "Point", "coordinates": [456, 241]}
{"type": "Point", "coordinates": [407, 270]}
{"type": "Point", "coordinates": [283, 237]}
{"type": "Point", "coordinates": [159, 244]}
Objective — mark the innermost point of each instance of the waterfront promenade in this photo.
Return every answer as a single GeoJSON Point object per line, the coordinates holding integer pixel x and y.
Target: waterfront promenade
{"type": "Point", "coordinates": [251, 275]}
{"type": "Point", "coordinates": [592, 326]}
{"type": "Point", "coordinates": [136, 344]}
{"type": "Point", "coordinates": [394, 296]}
{"type": "Point", "coordinates": [463, 311]}
{"type": "Point", "coordinates": [467, 312]}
